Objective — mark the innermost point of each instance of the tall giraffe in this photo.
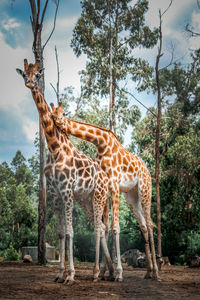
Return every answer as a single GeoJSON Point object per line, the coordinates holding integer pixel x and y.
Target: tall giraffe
{"type": "Point", "coordinates": [127, 173]}
{"type": "Point", "coordinates": [71, 175]}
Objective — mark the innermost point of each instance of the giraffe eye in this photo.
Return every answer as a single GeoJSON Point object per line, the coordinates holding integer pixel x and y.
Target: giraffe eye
{"type": "Point", "coordinates": [37, 75]}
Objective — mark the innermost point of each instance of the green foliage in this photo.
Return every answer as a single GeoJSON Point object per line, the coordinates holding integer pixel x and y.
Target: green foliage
{"type": "Point", "coordinates": [84, 238]}
{"type": "Point", "coordinates": [11, 254]}
{"type": "Point", "coordinates": [18, 214]}
{"type": "Point", "coordinates": [84, 246]}
{"type": "Point", "coordinates": [99, 23]}
{"type": "Point", "coordinates": [130, 234]}
{"type": "Point", "coordinates": [179, 159]}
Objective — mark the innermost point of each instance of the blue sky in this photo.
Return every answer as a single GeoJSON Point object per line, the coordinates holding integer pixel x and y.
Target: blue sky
{"type": "Point", "coordinates": [18, 114]}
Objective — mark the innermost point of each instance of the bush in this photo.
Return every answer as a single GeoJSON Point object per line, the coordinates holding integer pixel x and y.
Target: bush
{"type": "Point", "coordinates": [10, 253]}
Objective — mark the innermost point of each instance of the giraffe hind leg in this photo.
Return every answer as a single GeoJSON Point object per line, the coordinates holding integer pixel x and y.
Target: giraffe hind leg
{"type": "Point", "coordinates": [106, 255]}
{"type": "Point", "coordinates": [150, 231]}
{"type": "Point", "coordinates": [99, 206]}
{"type": "Point", "coordinates": [134, 202]}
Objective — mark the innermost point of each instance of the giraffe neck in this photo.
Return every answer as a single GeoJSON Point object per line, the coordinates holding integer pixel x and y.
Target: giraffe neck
{"type": "Point", "coordinates": [54, 136]}
{"type": "Point", "coordinates": [96, 135]}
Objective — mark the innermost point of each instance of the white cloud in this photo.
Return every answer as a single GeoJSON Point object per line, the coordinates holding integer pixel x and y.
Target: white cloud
{"type": "Point", "coordinates": [194, 42]}
{"type": "Point", "coordinates": [30, 128]}
{"type": "Point", "coordinates": [10, 24]}
{"type": "Point", "coordinates": [12, 88]}
{"type": "Point", "coordinates": [15, 96]}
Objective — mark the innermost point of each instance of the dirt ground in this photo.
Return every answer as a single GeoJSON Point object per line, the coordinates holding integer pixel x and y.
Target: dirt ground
{"type": "Point", "coordinates": [20, 280]}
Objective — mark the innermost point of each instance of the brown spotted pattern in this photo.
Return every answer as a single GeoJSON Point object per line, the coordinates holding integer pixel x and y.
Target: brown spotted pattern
{"type": "Point", "coordinates": [127, 173]}
{"type": "Point", "coordinates": [71, 176]}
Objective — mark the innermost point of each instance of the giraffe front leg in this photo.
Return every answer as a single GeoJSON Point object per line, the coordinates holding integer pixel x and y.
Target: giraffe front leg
{"type": "Point", "coordinates": [104, 243]}
{"type": "Point", "coordinates": [70, 234]}
{"type": "Point", "coordinates": [71, 271]}
{"type": "Point", "coordinates": [116, 229]}
{"type": "Point", "coordinates": [61, 233]}
{"type": "Point", "coordinates": [96, 266]}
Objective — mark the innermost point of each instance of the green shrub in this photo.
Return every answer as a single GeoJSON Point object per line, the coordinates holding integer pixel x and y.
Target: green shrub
{"type": "Point", "coordinates": [10, 253]}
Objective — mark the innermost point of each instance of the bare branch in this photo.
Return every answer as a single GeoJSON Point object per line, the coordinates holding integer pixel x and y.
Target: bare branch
{"type": "Point", "coordinates": [44, 11]}
{"type": "Point", "coordinates": [58, 74]}
{"type": "Point", "coordinates": [189, 28]}
{"type": "Point", "coordinates": [193, 33]}
{"type": "Point", "coordinates": [57, 89]}
{"type": "Point", "coordinates": [53, 88]}
{"type": "Point", "coordinates": [123, 90]}
{"type": "Point", "coordinates": [167, 8]}
{"type": "Point", "coordinates": [54, 24]}
{"type": "Point", "coordinates": [38, 11]}
{"type": "Point", "coordinates": [34, 13]}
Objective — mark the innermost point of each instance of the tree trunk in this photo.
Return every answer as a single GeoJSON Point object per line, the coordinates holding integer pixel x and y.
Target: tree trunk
{"type": "Point", "coordinates": [38, 53]}
{"type": "Point", "coordinates": [111, 89]}
{"type": "Point", "coordinates": [157, 173]}
{"type": "Point", "coordinates": [42, 202]}
{"type": "Point", "coordinates": [157, 167]}
{"type": "Point", "coordinates": [37, 19]}
{"type": "Point", "coordinates": [42, 186]}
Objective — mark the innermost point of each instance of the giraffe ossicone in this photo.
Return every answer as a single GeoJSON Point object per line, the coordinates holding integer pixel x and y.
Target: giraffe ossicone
{"type": "Point", "coordinates": [127, 173]}
{"type": "Point", "coordinates": [71, 176]}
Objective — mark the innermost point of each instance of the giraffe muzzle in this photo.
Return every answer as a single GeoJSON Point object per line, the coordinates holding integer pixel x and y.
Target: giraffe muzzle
{"type": "Point", "coordinates": [30, 83]}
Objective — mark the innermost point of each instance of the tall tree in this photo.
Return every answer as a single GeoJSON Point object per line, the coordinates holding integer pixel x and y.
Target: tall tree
{"type": "Point", "coordinates": [157, 141]}
{"type": "Point", "coordinates": [107, 32]}
{"type": "Point", "coordinates": [37, 20]}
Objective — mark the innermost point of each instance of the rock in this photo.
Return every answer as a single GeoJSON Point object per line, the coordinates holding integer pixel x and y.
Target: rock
{"type": "Point", "coordinates": [193, 261]}
{"type": "Point", "coordinates": [134, 258]}
{"type": "Point", "coordinates": [137, 259]}
{"type": "Point", "coordinates": [27, 259]}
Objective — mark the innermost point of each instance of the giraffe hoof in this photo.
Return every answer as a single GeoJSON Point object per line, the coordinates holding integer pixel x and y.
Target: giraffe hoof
{"type": "Point", "coordinates": [110, 278]}
{"type": "Point", "coordinates": [102, 278]}
{"type": "Point", "coordinates": [148, 276]}
{"type": "Point", "coordinates": [59, 279]}
{"type": "Point", "coordinates": [96, 279]}
{"type": "Point", "coordinates": [156, 277]}
{"type": "Point", "coordinates": [69, 282]}
{"type": "Point", "coordinates": [118, 279]}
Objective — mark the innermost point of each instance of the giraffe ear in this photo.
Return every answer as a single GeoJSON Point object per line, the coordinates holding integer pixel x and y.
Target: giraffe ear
{"type": "Point", "coordinates": [41, 71]}
{"type": "Point", "coordinates": [20, 72]}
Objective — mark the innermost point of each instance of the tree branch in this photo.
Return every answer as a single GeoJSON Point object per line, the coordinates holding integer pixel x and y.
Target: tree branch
{"type": "Point", "coordinates": [58, 73]}
{"type": "Point", "coordinates": [57, 89]}
{"type": "Point", "coordinates": [34, 14]}
{"type": "Point", "coordinates": [138, 101]}
{"type": "Point", "coordinates": [193, 33]}
{"type": "Point", "coordinates": [38, 12]}
{"type": "Point", "coordinates": [53, 88]}
{"type": "Point", "coordinates": [167, 8]}
{"type": "Point", "coordinates": [44, 11]}
{"type": "Point", "coordinates": [54, 23]}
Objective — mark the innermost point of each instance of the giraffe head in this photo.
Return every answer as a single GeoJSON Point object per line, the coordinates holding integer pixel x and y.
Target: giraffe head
{"type": "Point", "coordinates": [58, 115]}
{"type": "Point", "coordinates": [31, 74]}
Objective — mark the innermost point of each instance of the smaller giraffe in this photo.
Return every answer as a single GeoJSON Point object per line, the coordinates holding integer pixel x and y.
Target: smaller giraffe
{"type": "Point", "coordinates": [71, 176]}
{"type": "Point", "coordinates": [128, 174]}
